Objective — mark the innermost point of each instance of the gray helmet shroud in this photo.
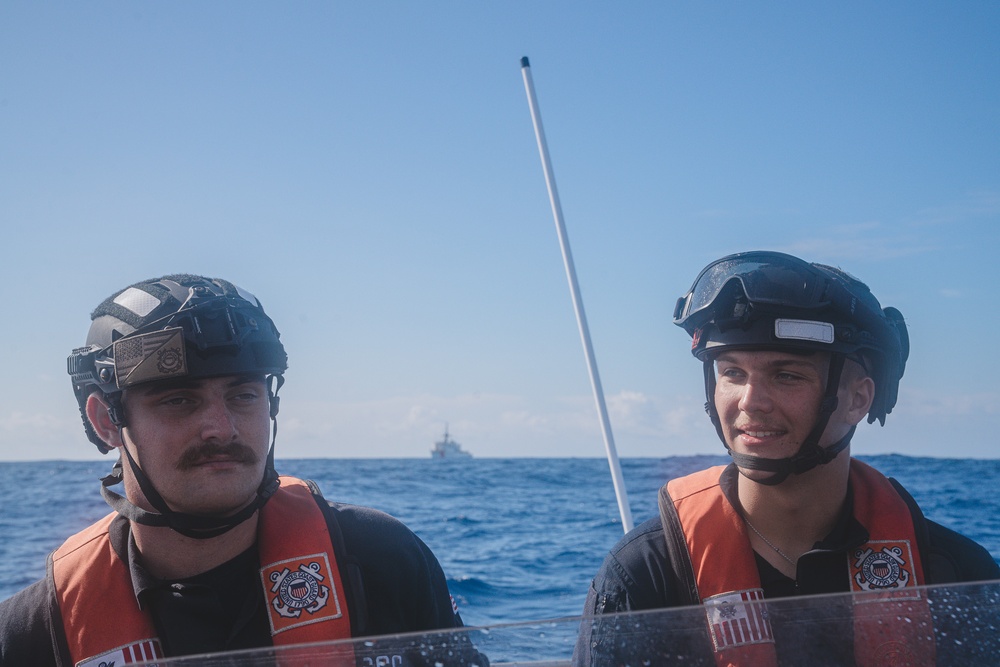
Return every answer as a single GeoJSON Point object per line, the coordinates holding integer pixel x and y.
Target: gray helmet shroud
{"type": "Point", "coordinates": [770, 300]}
{"type": "Point", "coordinates": [174, 327]}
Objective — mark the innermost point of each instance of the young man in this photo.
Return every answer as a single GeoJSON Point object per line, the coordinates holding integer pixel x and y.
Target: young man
{"type": "Point", "coordinates": [209, 550]}
{"type": "Point", "coordinates": [795, 355]}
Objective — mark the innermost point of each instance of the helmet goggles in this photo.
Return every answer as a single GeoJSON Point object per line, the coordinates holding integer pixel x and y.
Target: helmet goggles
{"type": "Point", "coordinates": [770, 278]}
{"type": "Point", "coordinates": [786, 286]}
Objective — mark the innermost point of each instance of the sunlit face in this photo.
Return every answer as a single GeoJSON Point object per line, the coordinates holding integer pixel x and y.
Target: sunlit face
{"type": "Point", "coordinates": [768, 401]}
{"type": "Point", "coordinates": [202, 442]}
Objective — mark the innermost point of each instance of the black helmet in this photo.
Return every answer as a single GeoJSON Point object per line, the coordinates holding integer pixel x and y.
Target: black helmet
{"type": "Point", "coordinates": [174, 326]}
{"type": "Point", "coordinates": [770, 300]}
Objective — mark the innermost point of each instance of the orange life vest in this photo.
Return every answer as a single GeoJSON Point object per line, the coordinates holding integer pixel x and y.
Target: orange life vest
{"type": "Point", "coordinates": [728, 583]}
{"type": "Point", "coordinates": [299, 574]}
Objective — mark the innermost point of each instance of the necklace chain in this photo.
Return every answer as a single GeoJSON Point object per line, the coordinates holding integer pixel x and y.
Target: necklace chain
{"type": "Point", "coordinates": [768, 543]}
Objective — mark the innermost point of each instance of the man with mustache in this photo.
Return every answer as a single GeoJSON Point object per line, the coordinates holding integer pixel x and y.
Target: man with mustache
{"type": "Point", "coordinates": [795, 355]}
{"type": "Point", "coordinates": [208, 549]}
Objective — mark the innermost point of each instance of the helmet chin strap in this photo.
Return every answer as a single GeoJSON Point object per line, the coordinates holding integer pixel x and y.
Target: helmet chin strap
{"type": "Point", "coordinates": [810, 453]}
{"type": "Point", "coordinates": [190, 525]}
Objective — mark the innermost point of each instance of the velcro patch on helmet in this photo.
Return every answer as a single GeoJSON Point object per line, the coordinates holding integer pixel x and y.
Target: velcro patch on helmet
{"type": "Point", "coordinates": [819, 332]}
{"type": "Point", "coordinates": [140, 302]}
{"type": "Point", "coordinates": [158, 355]}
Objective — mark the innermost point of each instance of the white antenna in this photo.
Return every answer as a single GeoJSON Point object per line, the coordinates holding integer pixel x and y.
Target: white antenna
{"type": "Point", "coordinates": [581, 317]}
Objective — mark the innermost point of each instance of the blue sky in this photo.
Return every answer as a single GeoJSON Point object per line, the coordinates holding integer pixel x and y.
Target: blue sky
{"type": "Point", "coordinates": [369, 170]}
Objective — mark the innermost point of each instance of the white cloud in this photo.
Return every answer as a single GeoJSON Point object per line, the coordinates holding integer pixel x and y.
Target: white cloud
{"type": "Point", "coordinates": [499, 425]}
{"type": "Point", "coordinates": [637, 413]}
{"type": "Point", "coordinates": [865, 242]}
{"type": "Point", "coordinates": [978, 204]}
{"type": "Point", "coordinates": [29, 436]}
{"type": "Point", "coordinates": [923, 404]}
{"type": "Point", "coordinates": [492, 425]}
{"type": "Point", "coordinates": [874, 240]}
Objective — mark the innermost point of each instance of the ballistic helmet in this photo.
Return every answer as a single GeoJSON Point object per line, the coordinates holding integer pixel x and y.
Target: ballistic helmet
{"type": "Point", "coordinates": [759, 300]}
{"type": "Point", "coordinates": [175, 326]}
{"type": "Point", "coordinates": [770, 300]}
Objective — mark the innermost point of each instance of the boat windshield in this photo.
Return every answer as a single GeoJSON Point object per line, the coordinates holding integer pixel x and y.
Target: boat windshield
{"type": "Point", "coordinates": [807, 630]}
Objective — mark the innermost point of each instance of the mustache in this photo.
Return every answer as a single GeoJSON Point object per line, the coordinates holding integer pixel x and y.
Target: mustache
{"type": "Point", "coordinates": [234, 451]}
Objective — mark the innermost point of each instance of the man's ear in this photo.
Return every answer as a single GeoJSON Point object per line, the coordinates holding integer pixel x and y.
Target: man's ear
{"type": "Point", "coordinates": [862, 393]}
{"type": "Point", "coordinates": [97, 414]}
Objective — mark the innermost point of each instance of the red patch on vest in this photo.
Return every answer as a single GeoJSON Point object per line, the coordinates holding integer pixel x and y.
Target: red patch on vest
{"type": "Point", "coordinates": [299, 591]}
{"type": "Point", "coordinates": [140, 651]}
{"type": "Point", "coordinates": [738, 619]}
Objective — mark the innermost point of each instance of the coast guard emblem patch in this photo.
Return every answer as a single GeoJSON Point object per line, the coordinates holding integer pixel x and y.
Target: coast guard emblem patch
{"type": "Point", "coordinates": [299, 591]}
{"type": "Point", "coordinates": [738, 619]}
{"type": "Point", "coordinates": [881, 565]}
{"type": "Point", "coordinates": [140, 651]}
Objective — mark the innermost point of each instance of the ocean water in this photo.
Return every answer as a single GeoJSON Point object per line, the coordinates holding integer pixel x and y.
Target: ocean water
{"type": "Point", "coordinates": [519, 539]}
